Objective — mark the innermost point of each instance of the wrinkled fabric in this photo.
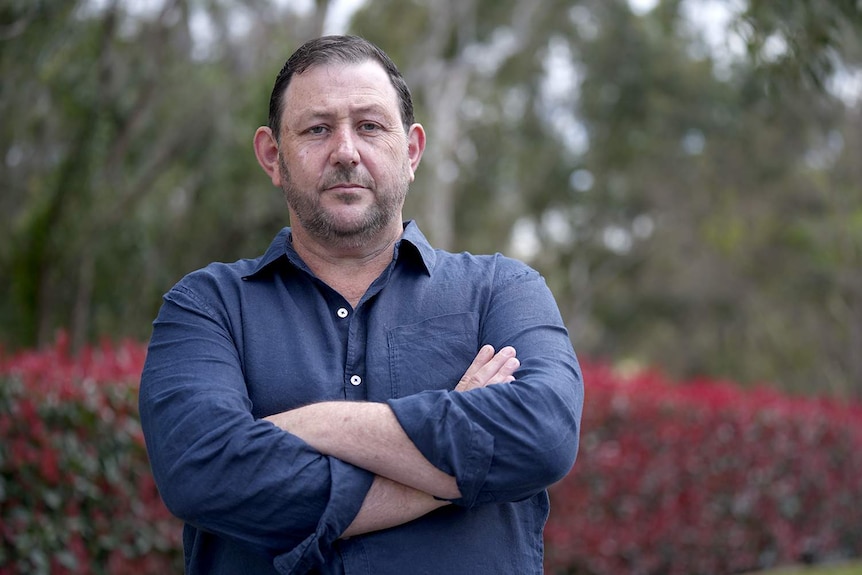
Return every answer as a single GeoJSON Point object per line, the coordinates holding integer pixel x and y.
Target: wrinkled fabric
{"type": "Point", "coordinates": [234, 343]}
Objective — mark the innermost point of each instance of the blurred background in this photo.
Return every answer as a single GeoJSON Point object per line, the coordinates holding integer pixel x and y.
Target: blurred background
{"type": "Point", "coordinates": [685, 173]}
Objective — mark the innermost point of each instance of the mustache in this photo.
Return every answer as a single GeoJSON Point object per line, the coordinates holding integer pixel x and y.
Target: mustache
{"type": "Point", "coordinates": [344, 175]}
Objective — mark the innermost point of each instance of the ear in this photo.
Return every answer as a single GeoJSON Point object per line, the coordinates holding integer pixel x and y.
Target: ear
{"type": "Point", "coordinates": [266, 151]}
{"type": "Point", "coordinates": [415, 147]}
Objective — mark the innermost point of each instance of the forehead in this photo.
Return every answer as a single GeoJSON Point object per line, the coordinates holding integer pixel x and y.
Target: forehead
{"type": "Point", "coordinates": [333, 87]}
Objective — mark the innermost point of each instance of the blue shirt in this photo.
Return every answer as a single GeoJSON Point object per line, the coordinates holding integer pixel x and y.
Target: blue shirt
{"type": "Point", "coordinates": [234, 343]}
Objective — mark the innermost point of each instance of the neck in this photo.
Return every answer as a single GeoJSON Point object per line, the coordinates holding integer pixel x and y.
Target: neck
{"type": "Point", "coordinates": [348, 269]}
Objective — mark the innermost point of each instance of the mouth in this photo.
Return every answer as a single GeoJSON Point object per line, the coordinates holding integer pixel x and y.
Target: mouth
{"type": "Point", "coordinates": [346, 186]}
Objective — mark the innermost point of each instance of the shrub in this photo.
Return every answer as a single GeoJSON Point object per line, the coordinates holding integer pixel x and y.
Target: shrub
{"type": "Point", "coordinates": [705, 478]}
{"type": "Point", "coordinates": [76, 493]}
{"type": "Point", "coordinates": [692, 478]}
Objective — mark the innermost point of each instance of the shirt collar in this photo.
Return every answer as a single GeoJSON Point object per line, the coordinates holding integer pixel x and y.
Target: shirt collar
{"type": "Point", "coordinates": [414, 237]}
{"type": "Point", "coordinates": [281, 248]}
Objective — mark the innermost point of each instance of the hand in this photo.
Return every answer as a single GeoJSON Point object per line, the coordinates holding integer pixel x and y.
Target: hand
{"type": "Point", "coordinates": [489, 368]}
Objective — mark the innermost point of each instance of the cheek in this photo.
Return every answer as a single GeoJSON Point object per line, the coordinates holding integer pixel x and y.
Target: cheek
{"type": "Point", "coordinates": [301, 166]}
{"type": "Point", "coordinates": [303, 156]}
{"type": "Point", "coordinates": [393, 161]}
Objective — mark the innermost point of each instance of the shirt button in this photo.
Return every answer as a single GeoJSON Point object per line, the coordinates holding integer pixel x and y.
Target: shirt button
{"type": "Point", "coordinates": [355, 380]}
{"type": "Point", "coordinates": [342, 312]}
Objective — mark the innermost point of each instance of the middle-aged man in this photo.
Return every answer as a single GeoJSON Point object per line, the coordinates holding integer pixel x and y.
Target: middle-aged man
{"type": "Point", "coordinates": [352, 401]}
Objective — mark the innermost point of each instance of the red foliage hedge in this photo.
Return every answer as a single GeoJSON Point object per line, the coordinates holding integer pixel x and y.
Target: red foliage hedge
{"type": "Point", "coordinates": [694, 478]}
{"type": "Point", "coordinates": [76, 493]}
{"type": "Point", "coordinates": [705, 478]}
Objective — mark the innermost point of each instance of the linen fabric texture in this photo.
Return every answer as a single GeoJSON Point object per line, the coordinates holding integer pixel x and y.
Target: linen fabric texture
{"type": "Point", "coordinates": [234, 343]}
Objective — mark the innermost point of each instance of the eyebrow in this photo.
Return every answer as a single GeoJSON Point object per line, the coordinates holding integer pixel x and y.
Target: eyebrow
{"type": "Point", "coordinates": [323, 114]}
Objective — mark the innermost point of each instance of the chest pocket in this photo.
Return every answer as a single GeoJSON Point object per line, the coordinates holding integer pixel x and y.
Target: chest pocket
{"type": "Point", "coordinates": [432, 354]}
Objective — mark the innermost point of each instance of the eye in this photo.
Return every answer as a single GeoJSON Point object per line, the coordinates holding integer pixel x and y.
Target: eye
{"type": "Point", "coordinates": [368, 127]}
{"type": "Point", "coordinates": [316, 130]}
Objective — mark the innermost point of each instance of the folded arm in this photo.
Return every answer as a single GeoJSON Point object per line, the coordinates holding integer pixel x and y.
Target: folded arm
{"type": "Point", "coordinates": [495, 443]}
{"type": "Point", "coordinates": [507, 442]}
{"type": "Point", "coordinates": [217, 467]}
{"type": "Point", "coordinates": [369, 436]}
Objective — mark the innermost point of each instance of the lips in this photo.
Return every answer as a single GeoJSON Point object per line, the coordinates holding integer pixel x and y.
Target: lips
{"type": "Point", "coordinates": [342, 178]}
{"type": "Point", "coordinates": [346, 186]}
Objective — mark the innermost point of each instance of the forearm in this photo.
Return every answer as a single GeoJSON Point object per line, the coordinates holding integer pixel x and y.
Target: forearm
{"type": "Point", "coordinates": [389, 504]}
{"type": "Point", "coordinates": [505, 442]}
{"type": "Point", "coordinates": [207, 451]}
{"type": "Point", "coordinates": [369, 436]}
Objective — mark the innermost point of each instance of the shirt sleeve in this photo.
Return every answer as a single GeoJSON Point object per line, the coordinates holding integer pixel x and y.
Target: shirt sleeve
{"type": "Point", "coordinates": [216, 466]}
{"type": "Point", "coordinates": [507, 442]}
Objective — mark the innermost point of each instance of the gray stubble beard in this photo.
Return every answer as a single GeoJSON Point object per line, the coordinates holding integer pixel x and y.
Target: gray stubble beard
{"type": "Point", "coordinates": [319, 224]}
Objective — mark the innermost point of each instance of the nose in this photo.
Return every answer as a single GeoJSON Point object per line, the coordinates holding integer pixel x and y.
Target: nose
{"type": "Point", "coordinates": [344, 150]}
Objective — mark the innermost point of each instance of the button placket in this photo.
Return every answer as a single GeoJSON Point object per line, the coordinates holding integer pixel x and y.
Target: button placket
{"type": "Point", "coordinates": [354, 366]}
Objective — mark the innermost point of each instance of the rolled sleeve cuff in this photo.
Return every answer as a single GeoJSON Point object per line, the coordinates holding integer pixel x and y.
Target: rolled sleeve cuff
{"type": "Point", "coordinates": [444, 434]}
{"type": "Point", "coordinates": [350, 485]}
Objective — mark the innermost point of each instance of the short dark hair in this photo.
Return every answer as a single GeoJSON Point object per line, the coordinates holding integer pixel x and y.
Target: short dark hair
{"type": "Point", "coordinates": [342, 50]}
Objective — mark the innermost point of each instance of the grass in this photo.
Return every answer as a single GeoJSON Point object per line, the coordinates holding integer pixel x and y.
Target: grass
{"type": "Point", "coordinates": [854, 568]}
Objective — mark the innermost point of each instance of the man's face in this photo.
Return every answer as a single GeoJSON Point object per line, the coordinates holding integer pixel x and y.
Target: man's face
{"type": "Point", "coordinates": [345, 162]}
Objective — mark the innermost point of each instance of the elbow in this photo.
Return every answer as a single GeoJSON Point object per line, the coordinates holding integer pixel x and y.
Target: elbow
{"type": "Point", "coordinates": [553, 464]}
{"type": "Point", "coordinates": [183, 488]}
{"type": "Point", "coordinates": [555, 437]}
{"type": "Point", "coordinates": [184, 495]}
{"type": "Point", "coordinates": [553, 432]}
{"type": "Point", "coordinates": [565, 436]}
{"type": "Point", "coordinates": [538, 453]}
{"type": "Point", "coordinates": [182, 505]}
{"type": "Point", "coordinates": [528, 471]}
{"type": "Point", "coordinates": [193, 484]}
{"type": "Point", "coordinates": [554, 446]}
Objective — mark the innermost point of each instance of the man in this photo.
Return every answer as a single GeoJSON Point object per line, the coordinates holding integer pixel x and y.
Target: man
{"type": "Point", "coordinates": [351, 401]}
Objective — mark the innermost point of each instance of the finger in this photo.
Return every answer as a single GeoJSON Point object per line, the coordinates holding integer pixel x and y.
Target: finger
{"type": "Point", "coordinates": [494, 371]}
{"type": "Point", "coordinates": [486, 353]}
{"type": "Point", "coordinates": [493, 367]}
{"type": "Point", "coordinates": [489, 367]}
{"type": "Point", "coordinates": [507, 371]}
{"type": "Point", "coordinates": [470, 379]}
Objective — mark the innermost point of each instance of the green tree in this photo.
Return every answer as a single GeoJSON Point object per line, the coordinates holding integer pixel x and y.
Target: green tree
{"type": "Point", "coordinates": [691, 208]}
{"type": "Point", "coordinates": [677, 198]}
{"type": "Point", "coordinates": [127, 147]}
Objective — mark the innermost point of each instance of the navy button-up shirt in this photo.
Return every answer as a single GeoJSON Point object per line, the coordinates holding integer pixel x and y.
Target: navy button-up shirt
{"type": "Point", "coordinates": [234, 343]}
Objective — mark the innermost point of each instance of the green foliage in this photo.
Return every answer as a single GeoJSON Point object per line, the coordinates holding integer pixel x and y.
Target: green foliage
{"type": "Point", "coordinates": [128, 157]}
{"type": "Point", "coordinates": [838, 568]}
{"type": "Point", "coordinates": [690, 207]}
{"type": "Point", "coordinates": [815, 36]}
